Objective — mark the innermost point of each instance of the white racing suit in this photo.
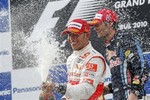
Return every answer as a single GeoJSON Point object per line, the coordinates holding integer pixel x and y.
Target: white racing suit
{"type": "Point", "coordinates": [86, 69]}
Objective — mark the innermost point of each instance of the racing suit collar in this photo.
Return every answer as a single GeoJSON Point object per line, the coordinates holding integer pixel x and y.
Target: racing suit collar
{"type": "Point", "coordinates": [79, 52]}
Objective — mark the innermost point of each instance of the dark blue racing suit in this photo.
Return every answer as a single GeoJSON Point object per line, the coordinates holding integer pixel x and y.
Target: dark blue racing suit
{"type": "Point", "coordinates": [126, 62]}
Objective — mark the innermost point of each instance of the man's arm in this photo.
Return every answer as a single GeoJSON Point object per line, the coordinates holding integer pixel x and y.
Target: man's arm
{"type": "Point", "coordinates": [89, 80]}
{"type": "Point", "coordinates": [135, 64]}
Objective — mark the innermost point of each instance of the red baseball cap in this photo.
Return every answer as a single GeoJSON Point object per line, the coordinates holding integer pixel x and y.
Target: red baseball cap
{"type": "Point", "coordinates": [77, 26]}
{"type": "Point", "coordinates": [104, 15]}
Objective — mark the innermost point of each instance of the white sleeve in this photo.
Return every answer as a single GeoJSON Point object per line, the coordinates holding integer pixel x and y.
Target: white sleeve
{"type": "Point", "coordinates": [91, 76]}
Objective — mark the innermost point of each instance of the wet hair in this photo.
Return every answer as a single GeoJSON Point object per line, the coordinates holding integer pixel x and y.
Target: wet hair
{"type": "Point", "coordinates": [115, 25]}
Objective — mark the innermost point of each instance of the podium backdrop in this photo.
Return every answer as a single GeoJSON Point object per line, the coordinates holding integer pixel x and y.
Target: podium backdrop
{"type": "Point", "coordinates": [30, 41]}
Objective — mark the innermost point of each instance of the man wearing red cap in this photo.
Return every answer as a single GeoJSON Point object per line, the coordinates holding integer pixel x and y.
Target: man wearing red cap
{"type": "Point", "coordinates": [123, 55]}
{"type": "Point", "coordinates": [85, 66]}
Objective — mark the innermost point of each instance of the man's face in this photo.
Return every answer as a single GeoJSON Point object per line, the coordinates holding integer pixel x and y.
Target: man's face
{"type": "Point", "coordinates": [101, 29]}
{"type": "Point", "coordinates": [78, 42]}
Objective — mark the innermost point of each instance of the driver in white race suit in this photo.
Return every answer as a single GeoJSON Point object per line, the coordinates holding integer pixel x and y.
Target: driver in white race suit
{"type": "Point", "coordinates": [85, 66]}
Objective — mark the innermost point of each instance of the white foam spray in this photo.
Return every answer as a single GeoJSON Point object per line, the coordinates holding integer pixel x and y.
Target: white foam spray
{"type": "Point", "coordinates": [47, 51]}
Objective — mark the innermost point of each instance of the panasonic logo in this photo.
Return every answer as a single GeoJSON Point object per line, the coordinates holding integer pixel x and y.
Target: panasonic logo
{"type": "Point", "coordinates": [28, 89]}
{"type": "Point", "coordinates": [4, 53]}
{"type": "Point", "coordinates": [5, 92]}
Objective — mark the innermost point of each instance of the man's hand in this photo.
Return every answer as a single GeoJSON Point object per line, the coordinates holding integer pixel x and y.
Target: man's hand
{"type": "Point", "coordinates": [47, 89]}
{"type": "Point", "coordinates": [132, 96]}
{"type": "Point", "coordinates": [106, 90]}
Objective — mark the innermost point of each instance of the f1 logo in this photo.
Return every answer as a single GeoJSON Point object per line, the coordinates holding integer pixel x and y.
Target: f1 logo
{"type": "Point", "coordinates": [52, 17]}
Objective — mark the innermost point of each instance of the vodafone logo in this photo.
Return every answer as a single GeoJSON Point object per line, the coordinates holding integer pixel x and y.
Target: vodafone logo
{"type": "Point", "coordinates": [76, 25]}
{"type": "Point", "coordinates": [85, 55]}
